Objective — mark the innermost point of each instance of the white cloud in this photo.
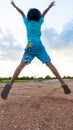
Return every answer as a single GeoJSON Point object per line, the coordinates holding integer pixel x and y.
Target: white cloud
{"type": "Point", "coordinates": [9, 48]}
{"type": "Point", "coordinates": [57, 41]}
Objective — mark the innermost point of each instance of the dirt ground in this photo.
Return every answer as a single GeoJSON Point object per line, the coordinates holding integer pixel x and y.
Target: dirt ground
{"type": "Point", "coordinates": [36, 105]}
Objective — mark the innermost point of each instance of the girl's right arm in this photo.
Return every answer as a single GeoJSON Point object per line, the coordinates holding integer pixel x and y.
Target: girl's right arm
{"type": "Point", "coordinates": [19, 10]}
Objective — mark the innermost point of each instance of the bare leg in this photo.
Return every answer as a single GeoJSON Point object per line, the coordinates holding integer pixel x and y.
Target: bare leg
{"type": "Point", "coordinates": [55, 72]}
{"type": "Point", "coordinates": [17, 71]}
{"type": "Point", "coordinates": [6, 89]}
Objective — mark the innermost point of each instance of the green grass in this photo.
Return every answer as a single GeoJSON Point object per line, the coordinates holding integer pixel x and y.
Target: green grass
{"type": "Point", "coordinates": [25, 79]}
{"type": "Point", "coordinates": [7, 80]}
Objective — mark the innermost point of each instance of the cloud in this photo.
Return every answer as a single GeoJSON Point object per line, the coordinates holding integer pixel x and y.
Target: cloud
{"type": "Point", "coordinates": [67, 34]}
{"type": "Point", "coordinates": [9, 48]}
{"type": "Point", "coordinates": [57, 41]}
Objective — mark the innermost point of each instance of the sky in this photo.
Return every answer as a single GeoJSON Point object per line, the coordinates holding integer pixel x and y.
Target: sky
{"type": "Point", "coordinates": [57, 37]}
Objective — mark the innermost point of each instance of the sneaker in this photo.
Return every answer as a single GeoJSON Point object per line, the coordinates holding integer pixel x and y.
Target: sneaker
{"type": "Point", "coordinates": [5, 91]}
{"type": "Point", "coordinates": [66, 89]}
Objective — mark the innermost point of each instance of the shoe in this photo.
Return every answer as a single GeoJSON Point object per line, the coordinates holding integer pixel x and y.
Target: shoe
{"type": "Point", "coordinates": [5, 91]}
{"type": "Point", "coordinates": [66, 89]}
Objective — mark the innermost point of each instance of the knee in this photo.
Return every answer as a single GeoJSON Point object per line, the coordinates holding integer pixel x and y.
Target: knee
{"type": "Point", "coordinates": [22, 65]}
{"type": "Point", "coordinates": [48, 63]}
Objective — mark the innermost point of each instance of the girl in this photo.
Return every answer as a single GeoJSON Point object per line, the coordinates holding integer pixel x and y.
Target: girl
{"type": "Point", "coordinates": [33, 23]}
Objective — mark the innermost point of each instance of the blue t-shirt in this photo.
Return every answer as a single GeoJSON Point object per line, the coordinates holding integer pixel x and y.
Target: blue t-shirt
{"type": "Point", "coordinates": [33, 29]}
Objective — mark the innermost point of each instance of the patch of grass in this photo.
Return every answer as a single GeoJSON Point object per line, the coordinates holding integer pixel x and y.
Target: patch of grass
{"type": "Point", "coordinates": [8, 80]}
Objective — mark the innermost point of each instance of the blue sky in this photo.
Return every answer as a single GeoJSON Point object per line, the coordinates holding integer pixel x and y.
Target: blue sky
{"type": "Point", "coordinates": [57, 36]}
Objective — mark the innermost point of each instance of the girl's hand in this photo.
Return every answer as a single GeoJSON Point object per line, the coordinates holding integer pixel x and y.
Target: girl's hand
{"type": "Point", "coordinates": [52, 4]}
{"type": "Point", "coordinates": [12, 2]}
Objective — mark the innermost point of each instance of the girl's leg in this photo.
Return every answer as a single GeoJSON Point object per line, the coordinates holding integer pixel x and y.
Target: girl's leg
{"type": "Point", "coordinates": [17, 71]}
{"type": "Point", "coordinates": [5, 91]}
{"type": "Point", "coordinates": [56, 73]}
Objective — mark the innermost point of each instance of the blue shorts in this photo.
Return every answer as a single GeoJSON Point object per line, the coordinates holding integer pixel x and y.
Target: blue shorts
{"type": "Point", "coordinates": [35, 49]}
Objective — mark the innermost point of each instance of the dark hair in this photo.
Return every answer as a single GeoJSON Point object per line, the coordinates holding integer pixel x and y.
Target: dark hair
{"type": "Point", "coordinates": [33, 14]}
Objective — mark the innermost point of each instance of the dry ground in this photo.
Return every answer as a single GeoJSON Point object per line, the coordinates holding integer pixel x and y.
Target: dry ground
{"type": "Point", "coordinates": [37, 106]}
